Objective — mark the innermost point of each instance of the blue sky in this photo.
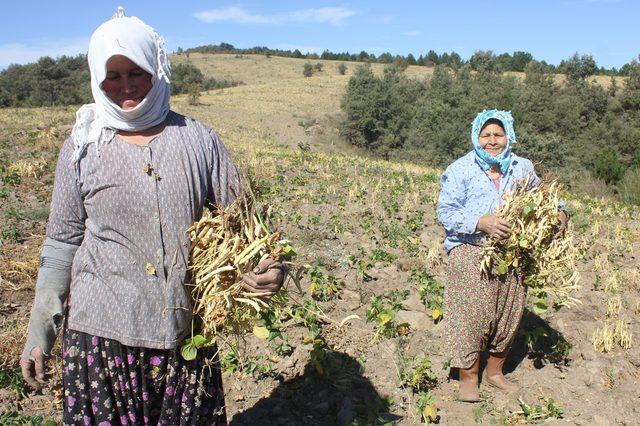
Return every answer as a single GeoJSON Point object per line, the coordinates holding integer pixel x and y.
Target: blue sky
{"type": "Point", "coordinates": [551, 30]}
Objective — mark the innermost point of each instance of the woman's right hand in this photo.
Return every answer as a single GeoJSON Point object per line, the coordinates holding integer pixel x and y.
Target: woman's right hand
{"type": "Point", "coordinates": [494, 227]}
{"type": "Point", "coordinates": [35, 362]}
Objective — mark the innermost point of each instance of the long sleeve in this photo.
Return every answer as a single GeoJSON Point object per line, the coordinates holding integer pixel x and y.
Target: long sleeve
{"type": "Point", "coordinates": [68, 215]}
{"type": "Point", "coordinates": [226, 182]}
{"type": "Point", "coordinates": [52, 289]}
{"type": "Point", "coordinates": [65, 231]}
{"type": "Point", "coordinates": [451, 209]}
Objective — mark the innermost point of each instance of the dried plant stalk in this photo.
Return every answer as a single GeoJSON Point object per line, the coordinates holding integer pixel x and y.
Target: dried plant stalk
{"type": "Point", "coordinates": [603, 338]}
{"type": "Point", "coordinates": [225, 245]}
{"type": "Point", "coordinates": [33, 168]}
{"type": "Point", "coordinates": [548, 264]}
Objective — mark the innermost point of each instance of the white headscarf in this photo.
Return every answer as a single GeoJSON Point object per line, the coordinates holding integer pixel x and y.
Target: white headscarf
{"type": "Point", "coordinates": [127, 36]}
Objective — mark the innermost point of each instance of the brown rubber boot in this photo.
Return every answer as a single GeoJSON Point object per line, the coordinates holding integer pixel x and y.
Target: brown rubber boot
{"type": "Point", "coordinates": [493, 375]}
{"type": "Point", "coordinates": [469, 391]}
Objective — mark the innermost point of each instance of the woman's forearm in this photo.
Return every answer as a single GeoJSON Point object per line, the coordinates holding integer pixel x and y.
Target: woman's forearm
{"type": "Point", "coordinates": [52, 289]}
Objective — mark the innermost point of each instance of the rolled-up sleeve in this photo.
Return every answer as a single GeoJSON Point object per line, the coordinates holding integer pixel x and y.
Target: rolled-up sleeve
{"type": "Point", "coordinates": [451, 209]}
{"type": "Point", "coordinates": [68, 215]}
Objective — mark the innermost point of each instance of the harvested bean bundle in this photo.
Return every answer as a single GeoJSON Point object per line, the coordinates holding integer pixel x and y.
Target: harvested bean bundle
{"type": "Point", "coordinates": [548, 264]}
{"type": "Point", "coordinates": [225, 245]}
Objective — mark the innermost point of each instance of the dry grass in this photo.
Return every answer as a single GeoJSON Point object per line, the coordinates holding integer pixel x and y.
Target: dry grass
{"type": "Point", "coordinates": [32, 168]}
{"type": "Point", "coordinates": [258, 69]}
{"type": "Point", "coordinates": [12, 336]}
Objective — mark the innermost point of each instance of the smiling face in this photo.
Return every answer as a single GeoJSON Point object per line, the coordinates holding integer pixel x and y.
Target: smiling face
{"type": "Point", "coordinates": [492, 138]}
{"type": "Point", "coordinates": [126, 84]}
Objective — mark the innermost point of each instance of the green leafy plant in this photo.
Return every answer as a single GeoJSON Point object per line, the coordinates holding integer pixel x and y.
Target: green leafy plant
{"type": "Point", "coordinates": [382, 311]}
{"type": "Point", "coordinates": [14, 417]}
{"type": "Point", "coordinates": [323, 286]}
{"type": "Point", "coordinates": [12, 379]}
{"type": "Point", "coordinates": [382, 256]}
{"type": "Point", "coordinates": [191, 345]}
{"type": "Point", "coordinates": [549, 409]}
{"type": "Point", "coordinates": [230, 362]}
{"type": "Point", "coordinates": [426, 407]}
{"type": "Point", "coordinates": [362, 264]}
{"type": "Point", "coordinates": [430, 291]}
{"type": "Point", "coordinates": [418, 375]}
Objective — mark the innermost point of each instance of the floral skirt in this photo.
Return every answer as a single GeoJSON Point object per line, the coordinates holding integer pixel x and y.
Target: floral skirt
{"type": "Point", "coordinates": [106, 383]}
{"type": "Point", "coordinates": [479, 313]}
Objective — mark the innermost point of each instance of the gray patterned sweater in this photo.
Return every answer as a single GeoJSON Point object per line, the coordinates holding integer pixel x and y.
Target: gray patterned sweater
{"type": "Point", "coordinates": [128, 210]}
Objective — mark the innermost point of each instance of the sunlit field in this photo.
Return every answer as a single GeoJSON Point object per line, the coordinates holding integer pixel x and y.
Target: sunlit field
{"type": "Point", "coordinates": [362, 343]}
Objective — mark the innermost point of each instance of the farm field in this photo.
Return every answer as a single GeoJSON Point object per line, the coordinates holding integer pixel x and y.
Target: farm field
{"type": "Point", "coordinates": [362, 343]}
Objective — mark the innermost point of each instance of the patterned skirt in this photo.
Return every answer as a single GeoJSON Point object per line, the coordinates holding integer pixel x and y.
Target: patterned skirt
{"type": "Point", "coordinates": [479, 313]}
{"type": "Point", "coordinates": [106, 383]}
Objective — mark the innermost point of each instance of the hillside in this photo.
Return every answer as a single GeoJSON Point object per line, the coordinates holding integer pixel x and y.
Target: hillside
{"type": "Point", "coordinates": [367, 228]}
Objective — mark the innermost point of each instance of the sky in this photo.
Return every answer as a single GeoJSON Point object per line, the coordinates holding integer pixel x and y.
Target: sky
{"type": "Point", "coordinates": [550, 30]}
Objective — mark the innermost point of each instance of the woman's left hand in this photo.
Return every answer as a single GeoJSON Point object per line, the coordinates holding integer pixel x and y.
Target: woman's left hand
{"type": "Point", "coordinates": [267, 277]}
{"type": "Point", "coordinates": [564, 218]}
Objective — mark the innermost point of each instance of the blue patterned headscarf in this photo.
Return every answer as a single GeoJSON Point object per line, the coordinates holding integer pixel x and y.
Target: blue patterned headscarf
{"type": "Point", "coordinates": [483, 157]}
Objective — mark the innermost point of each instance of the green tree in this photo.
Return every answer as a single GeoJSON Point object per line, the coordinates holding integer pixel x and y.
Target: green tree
{"type": "Point", "coordinates": [483, 61]}
{"type": "Point", "coordinates": [578, 67]}
{"type": "Point", "coordinates": [186, 78]}
{"type": "Point", "coordinates": [630, 96]}
{"type": "Point", "coordinates": [521, 60]}
{"type": "Point", "coordinates": [608, 167]}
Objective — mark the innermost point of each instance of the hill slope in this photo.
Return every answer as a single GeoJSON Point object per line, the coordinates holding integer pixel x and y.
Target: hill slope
{"type": "Point", "coordinates": [367, 229]}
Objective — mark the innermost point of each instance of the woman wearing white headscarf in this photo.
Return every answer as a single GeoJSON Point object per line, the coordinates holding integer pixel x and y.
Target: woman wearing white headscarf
{"type": "Point", "coordinates": [129, 182]}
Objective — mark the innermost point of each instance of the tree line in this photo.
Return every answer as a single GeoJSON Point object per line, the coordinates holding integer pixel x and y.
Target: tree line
{"type": "Point", "coordinates": [517, 61]}
{"type": "Point", "coordinates": [66, 81]}
{"type": "Point", "coordinates": [577, 125]}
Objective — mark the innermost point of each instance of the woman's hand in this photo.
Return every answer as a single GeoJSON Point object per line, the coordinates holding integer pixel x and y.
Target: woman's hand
{"type": "Point", "coordinates": [36, 361]}
{"type": "Point", "coordinates": [564, 219]}
{"type": "Point", "coordinates": [267, 278]}
{"type": "Point", "coordinates": [494, 227]}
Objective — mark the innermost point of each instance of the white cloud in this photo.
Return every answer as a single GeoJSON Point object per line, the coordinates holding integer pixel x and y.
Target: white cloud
{"type": "Point", "coordinates": [412, 33]}
{"type": "Point", "coordinates": [233, 14]}
{"type": "Point", "coordinates": [333, 15]}
{"type": "Point", "coordinates": [236, 14]}
{"type": "Point", "coordinates": [22, 53]}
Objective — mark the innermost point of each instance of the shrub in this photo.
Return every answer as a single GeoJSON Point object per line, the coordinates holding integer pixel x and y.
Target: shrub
{"type": "Point", "coordinates": [608, 167]}
{"type": "Point", "coordinates": [194, 94]}
{"type": "Point", "coordinates": [185, 78]}
{"type": "Point", "coordinates": [318, 67]}
{"type": "Point", "coordinates": [307, 71]}
{"type": "Point", "coordinates": [342, 69]}
{"type": "Point", "coordinates": [629, 186]}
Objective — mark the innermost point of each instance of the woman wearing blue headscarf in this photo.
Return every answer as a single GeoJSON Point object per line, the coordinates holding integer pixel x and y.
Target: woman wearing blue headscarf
{"type": "Point", "coordinates": [481, 314]}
